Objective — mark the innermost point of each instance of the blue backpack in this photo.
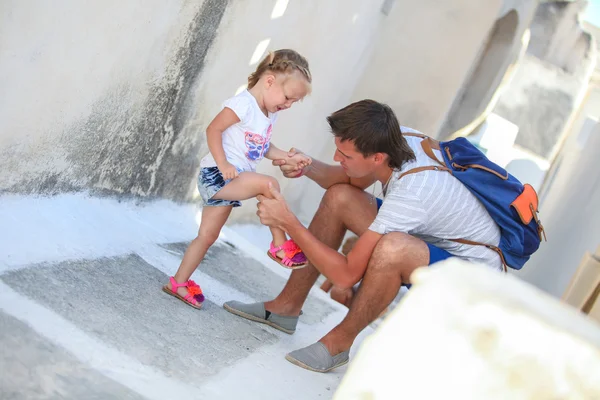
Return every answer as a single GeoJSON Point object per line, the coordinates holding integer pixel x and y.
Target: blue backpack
{"type": "Point", "coordinates": [511, 204]}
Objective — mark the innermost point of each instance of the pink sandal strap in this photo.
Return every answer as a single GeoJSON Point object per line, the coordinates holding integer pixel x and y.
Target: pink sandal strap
{"type": "Point", "coordinates": [175, 285]}
{"type": "Point", "coordinates": [273, 250]}
{"type": "Point", "coordinates": [290, 248]}
{"type": "Point", "coordinates": [194, 294]}
{"type": "Point", "coordinates": [190, 298]}
{"type": "Point", "coordinates": [287, 261]}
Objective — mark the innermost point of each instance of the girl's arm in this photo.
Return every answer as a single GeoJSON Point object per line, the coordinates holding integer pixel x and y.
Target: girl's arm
{"type": "Point", "coordinates": [214, 138]}
{"type": "Point", "coordinates": [297, 161]}
{"type": "Point", "coordinates": [325, 175]}
{"type": "Point", "coordinates": [275, 153]}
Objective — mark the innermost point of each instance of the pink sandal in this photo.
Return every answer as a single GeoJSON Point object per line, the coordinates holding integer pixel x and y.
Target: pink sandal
{"type": "Point", "coordinates": [294, 258]}
{"type": "Point", "coordinates": [194, 297]}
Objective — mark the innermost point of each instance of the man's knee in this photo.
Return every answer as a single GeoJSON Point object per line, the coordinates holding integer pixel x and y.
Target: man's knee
{"type": "Point", "coordinates": [401, 253]}
{"type": "Point", "coordinates": [339, 194]}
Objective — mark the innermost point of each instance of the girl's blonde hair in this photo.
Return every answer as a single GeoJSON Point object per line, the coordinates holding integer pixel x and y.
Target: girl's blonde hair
{"type": "Point", "coordinates": [280, 61]}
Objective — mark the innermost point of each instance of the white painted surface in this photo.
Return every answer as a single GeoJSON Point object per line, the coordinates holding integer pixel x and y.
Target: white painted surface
{"type": "Point", "coordinates": [498, 138]}
{"type": "Point", "coordinates": [569, 213]}
{"type": "Point", "coordinates": [101, 62]}
{"type": "Point", "coordinates": [466, 332]}
{"type": "Point", "coordinates": [70, 227]}
{"type": "Point", "coordinates": [142, 379]}
{"type": "Point", "coordinates": [420, 72]}
{"type": "Point", "coordinates": [60, 58]}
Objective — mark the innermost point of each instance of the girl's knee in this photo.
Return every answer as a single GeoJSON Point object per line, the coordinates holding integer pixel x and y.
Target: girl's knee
{"type": "Point", "coordinates": [270, 181]}
{"type": "Point", "coordinates": [274, 182]}
{"type": "Point", "coordinates": [208, 237]}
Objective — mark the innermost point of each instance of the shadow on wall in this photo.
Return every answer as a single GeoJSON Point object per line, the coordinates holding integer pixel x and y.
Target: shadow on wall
{"type": "Point", "coordinates": [478, 92]}
{"type": "Point", "coordinates": [129, 150]}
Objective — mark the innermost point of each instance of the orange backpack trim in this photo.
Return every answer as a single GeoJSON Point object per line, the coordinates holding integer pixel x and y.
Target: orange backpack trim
{"type": "Point", "coordinates": [526, 204]}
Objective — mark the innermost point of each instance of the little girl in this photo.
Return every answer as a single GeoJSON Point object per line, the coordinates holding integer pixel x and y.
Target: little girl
{"type": "Point", "coordinates": [238, 138]}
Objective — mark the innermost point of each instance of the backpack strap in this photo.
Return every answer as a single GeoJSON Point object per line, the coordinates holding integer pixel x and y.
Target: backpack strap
{"type": "Point", "coordinates": [461, 241]}
{"type": "Point", "coordinates": [489, 246]}
{"type": "Point", "coordinates": [415, 134]}
{"type": "Point", "coordinates": [421, 169]}
{"type": "Point", "coordinates": [428, 144]}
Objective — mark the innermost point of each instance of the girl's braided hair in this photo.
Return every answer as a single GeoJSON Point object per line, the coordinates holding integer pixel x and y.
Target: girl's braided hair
{"type": "Point", "coordinates": [280, 61]}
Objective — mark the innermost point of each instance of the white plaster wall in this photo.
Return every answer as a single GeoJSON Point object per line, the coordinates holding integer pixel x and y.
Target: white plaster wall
{"type": "Point", "coordinates": [427, 51]}
{"type": "Point", "coordinates": [492, 69]}
{"type": "Point", "coordinates": [466, 332]}
{"type": "Point", "coordinates": [76, 82]}
{"type": "Point", "coordinates": [590, 107]}
{"type": "Point", "coordinates": [336, 38]}
{"type": "Point", "coordinates": [423, 54]}
{"type": "Point", "coordinates": [59, 58]}
{"type": "Point", "coordinates": [569, 212]}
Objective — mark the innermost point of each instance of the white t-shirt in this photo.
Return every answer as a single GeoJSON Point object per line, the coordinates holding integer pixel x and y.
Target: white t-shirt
{"type": "Point", "coordinates": [246, 142]}
{"type": "Point", "coordinates": [435, 206]}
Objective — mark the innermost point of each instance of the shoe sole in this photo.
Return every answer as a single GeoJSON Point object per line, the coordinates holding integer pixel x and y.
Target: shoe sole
{"type": "Point", "coordinates": [178, 297]}
{"type": "Point", "coordinates": [308, 367]}
{"type": "Point", "coordinates": [257, 319]}
{"type": "Point", "coordinates": [278, 261]}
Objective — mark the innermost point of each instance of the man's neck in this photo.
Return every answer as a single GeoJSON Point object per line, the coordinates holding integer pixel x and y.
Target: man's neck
{"type": "Point", "coordinates": [384, 174]}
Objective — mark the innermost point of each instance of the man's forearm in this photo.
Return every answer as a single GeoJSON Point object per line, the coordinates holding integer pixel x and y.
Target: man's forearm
{"type": "Point", "coordinates": [325, 259]}
{"type": "Point", "coordinates": [326, 175]}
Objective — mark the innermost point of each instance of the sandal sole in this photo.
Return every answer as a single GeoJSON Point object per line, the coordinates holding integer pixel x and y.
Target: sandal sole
{"type": "Point", "coordinates": [278, 261]}
{"type": "Point", "coordinates": [170, 293]}
{"type": "Point", "coordinates": [256, 319]}
{"type": "Point", "coordinates": [308, 367]}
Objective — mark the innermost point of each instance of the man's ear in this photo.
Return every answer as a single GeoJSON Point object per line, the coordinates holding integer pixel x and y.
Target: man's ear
{"type": "Point", "coordinates": [380, 158]}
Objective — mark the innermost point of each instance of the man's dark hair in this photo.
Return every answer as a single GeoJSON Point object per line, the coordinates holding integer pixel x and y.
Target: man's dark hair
{"type": "Point", "coordinates": [373, 128]}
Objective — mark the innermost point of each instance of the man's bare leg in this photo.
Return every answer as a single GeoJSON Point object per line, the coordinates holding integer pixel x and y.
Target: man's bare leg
{"type": "Point", "coordinates": [394, 259]}
{"type": "Point", "coordinates": [344, 207]}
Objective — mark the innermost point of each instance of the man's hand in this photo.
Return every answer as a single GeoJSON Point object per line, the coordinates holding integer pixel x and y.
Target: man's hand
{"type": "Point", "coordinates": [290, 166]}
{"type": "Point", "coordinates": [273, 212]}
{"type": "Point", "coordinates": [228, 171]}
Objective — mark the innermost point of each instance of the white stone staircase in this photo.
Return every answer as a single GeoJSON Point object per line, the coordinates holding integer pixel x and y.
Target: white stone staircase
{"type": "Point", "coordinates": [82, 314]}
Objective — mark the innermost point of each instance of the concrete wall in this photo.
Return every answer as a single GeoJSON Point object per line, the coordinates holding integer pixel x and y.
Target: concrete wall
{"type": "Point", "coordinates": [540, 100]}
{"type": "Point", "coordinates": [337, 54]}
{"type": "Point", "coordinates": [557, 36]}
{"type": "Point", "coordinates": [490, 67]}
{"type": "Point", "coordinates": [551, 80]}
{"type": "Point", "coordinates": [113, 97]}
{"type": "Point", "coordinates": [569, 212]}
{"type": "Point", "coordinates": [426, 68]}
{"type": "Point", "coordinates": [97, 94]}
{"type": "Point", "coordinates": [420, 72]}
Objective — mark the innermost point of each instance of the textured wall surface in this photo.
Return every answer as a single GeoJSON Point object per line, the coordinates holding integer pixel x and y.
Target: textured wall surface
{"type": "Point", "coordinates": [114, 97]}
{"type": "Point", "coordinates": [96, 96]}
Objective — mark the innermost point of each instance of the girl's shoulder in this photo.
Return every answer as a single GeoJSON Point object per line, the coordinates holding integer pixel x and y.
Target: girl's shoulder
{"type": "Point", "coordinates": [241, 104]}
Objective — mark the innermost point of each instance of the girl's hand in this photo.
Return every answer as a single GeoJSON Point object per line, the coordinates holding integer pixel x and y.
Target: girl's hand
{"type": "Point", "coordinates": [299, 161]}
{"type": "Point", "coordinates": [228, 171]}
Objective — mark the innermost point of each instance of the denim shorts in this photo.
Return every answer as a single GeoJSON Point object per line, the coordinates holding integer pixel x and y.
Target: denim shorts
{"type": "Point", "coordinates": [210, 181]}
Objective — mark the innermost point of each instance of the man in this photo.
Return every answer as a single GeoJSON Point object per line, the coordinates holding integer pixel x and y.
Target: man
{"type": "Point", "coordinates": [409, 229]}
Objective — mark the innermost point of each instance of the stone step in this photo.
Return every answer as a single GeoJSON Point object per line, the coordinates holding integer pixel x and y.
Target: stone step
{"type": "Point", "coordinates": [101, 322]}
